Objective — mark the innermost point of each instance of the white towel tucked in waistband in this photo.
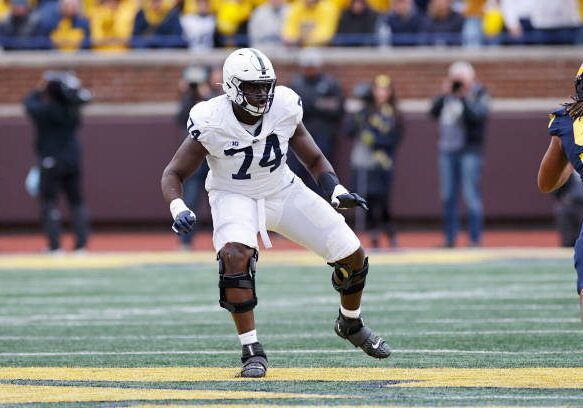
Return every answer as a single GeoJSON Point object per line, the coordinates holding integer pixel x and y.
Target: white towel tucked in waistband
{"type": "Point", "coordinates": [261, 221]}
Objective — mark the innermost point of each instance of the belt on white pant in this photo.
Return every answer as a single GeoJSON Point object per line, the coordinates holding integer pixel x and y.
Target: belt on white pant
{"type": "Point", "coordinates": [261, 221]}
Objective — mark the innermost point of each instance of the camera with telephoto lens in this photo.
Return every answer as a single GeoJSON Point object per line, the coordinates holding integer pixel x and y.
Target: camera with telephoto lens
{"type": "Point", "coordinates": [65, 87]}
{"type": "Point", "coordinates": [456, 86]}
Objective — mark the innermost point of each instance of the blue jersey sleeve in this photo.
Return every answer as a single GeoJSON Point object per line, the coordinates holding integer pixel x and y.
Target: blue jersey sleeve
{"type": "Point", "coordinates": [554, 125]}
{"type": "Point", "coordinates": [559, 122]}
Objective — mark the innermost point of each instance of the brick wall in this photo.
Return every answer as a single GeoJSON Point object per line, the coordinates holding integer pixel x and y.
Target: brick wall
{"type": "Point", "coordinates": [508, 73]}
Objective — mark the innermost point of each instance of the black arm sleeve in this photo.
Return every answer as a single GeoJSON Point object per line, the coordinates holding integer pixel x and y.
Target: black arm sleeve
{"type": "Point", "coordinates": [327, 182]}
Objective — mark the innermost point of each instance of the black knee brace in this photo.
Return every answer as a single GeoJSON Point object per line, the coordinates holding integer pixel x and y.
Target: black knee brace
{"type": "Point", "coordinates": [243, 280]}
{"type": "Point", "coordinates": [347, 281]}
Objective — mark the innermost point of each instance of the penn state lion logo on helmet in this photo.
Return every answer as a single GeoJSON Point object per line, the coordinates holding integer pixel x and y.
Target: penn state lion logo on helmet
{"type": "Point", "coordinates": [248, 65]}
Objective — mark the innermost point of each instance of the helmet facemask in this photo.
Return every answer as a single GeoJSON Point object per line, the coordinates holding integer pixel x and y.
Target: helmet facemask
{"type": "Point", "coordinates": [245, 99]}
{"type": "Point", "coordinates": [579, 85]}
{"type": "Point", "coordinates": [578, 89]}
{"type": "Point", "coordinates": [249, 80]}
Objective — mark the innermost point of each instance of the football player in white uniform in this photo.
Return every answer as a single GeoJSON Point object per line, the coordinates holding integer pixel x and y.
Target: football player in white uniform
{"type": "Point", "coordinates": [244, 136]}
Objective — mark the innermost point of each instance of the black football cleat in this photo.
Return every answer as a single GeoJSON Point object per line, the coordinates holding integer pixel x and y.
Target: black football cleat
{"type": "Point", "coordinates": [254, 361]}
{"type": "Point", "coordinates": [361, 336]}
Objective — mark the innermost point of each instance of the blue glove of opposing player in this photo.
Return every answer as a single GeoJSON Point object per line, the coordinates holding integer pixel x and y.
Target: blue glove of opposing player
{"type": "Point", "coordinates": [343, 199]}
{"type": "Point", "coordinates": [184, 222]}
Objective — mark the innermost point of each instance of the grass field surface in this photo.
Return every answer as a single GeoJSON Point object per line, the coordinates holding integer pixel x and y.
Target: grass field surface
{"type": "Point", "coordinates": [496, 327]}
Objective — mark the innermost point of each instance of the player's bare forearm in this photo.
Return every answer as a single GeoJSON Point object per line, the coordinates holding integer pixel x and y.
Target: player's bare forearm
{"type": "Point", "coordinates": [567, 171]}
{"type": "Point", "coordinates": [186, 161]}
{"type": "Point", "coordinates": [308, 152]}
{"type": "Point", "coordinates": [171, 184]}
{"type": "Point", "coordinates": [318, 166]}
{"type": "Point", "coordinates": [554, 169]}
{"type": "Point", "coordinates": [321, 170]}
{"type": "Point", "coordinates": [560, 180]}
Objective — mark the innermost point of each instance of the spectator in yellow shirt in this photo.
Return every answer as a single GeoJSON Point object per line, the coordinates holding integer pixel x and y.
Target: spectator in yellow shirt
{"type": "Point", "coordinates": [4, 8]}
{"type": "Point", "coordinates": [157, 25]}
{"type": "Point", "coordinates": [111, 24]}
{"type": "Point", "coordinates": [192, 7]}
{"type": "Point", "coordinates": [232, 18]}
{"type": "Point", "coordinates": [69, 29]}
{"type": "Point", "coordinates": [380, 6]}
{"type": "Point", "coordinates": [310, 23]}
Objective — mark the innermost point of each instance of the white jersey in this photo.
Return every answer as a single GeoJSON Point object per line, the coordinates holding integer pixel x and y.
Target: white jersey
{"type": "Point", "coordinates": [253, 165]}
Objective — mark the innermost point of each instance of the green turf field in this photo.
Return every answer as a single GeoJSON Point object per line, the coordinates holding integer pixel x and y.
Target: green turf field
{"type": "Point", "coordinates": [468, 327]}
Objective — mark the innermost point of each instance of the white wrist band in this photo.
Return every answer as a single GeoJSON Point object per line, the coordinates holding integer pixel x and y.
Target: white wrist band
{"type": "Point", "coordinates": [177, 206]}
{"type": "Point", "coordinates": [338, 190]}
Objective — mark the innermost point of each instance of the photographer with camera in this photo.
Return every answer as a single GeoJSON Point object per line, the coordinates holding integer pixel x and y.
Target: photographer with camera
{"type": "Point", "coordinates": [462, 112]}
{"type": "Point", "coordinates": [55, 110]}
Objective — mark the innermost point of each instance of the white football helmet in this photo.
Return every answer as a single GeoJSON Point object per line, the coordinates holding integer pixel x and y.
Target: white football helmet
{"type": "Point", "coordinates": [248, 65]}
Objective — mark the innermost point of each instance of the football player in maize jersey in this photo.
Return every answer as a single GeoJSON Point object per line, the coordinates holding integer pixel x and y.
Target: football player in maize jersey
{"type": "Point", "coordinates": [565, 153]}
{"type": "Point", "coordinates": [244, 135]}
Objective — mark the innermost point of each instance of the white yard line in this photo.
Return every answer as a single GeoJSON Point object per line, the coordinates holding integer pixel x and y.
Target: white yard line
{"type": "Point", "coordinates": [514, 292]}
{"type": "Point", "coordinates": [97, 299]}
{"type": "Point", "coordinates": [8, 311]}
{"type": "Point", "coordinates": [499, 320]}
{"type": "Point", "coordinates": [510, 292]}
{"type": "Point", "coordinates": [481, 398]}
{"type": "Point", "coordinates": [97, 322]}
{"type": "Point", "coordinates": [308, 351]}
{"type": "Point", "coordinates": [125, 313]}
{"type": "Point", "coordinates": [113, 323]}
{"type": "Point", "coordinates": [114, 314]}
{"type": "Point", "coordinates": [286, 336]}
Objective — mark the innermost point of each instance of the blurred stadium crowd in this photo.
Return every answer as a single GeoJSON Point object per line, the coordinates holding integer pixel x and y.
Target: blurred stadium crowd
{"type": "Point", "coordinates": [118, 25]}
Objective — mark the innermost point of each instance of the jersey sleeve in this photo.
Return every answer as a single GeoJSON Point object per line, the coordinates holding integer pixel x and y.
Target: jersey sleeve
{"type": "Point", "coordinates": [299, 108]}
{"type": "Point", "coordinates": [292, 103]}
{"type": "Point", "coordinates": [556, 122]}
{"type": "Point", "coordinates": [553, 125]}
{"type": "Point", "coordinates": [197, 124]}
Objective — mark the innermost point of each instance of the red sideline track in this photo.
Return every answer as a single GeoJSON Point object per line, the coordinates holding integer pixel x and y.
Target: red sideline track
{"type": "Point", "coordinates": [166, 241]}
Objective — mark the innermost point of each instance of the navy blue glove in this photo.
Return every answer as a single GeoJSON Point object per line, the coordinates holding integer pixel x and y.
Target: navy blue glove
{"type": "Point", "coordinates": [343, 199]}
{"type": "Point", "coordinates": [184, 222]}
{"type": "Point", "coordinates": [350, 200]}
